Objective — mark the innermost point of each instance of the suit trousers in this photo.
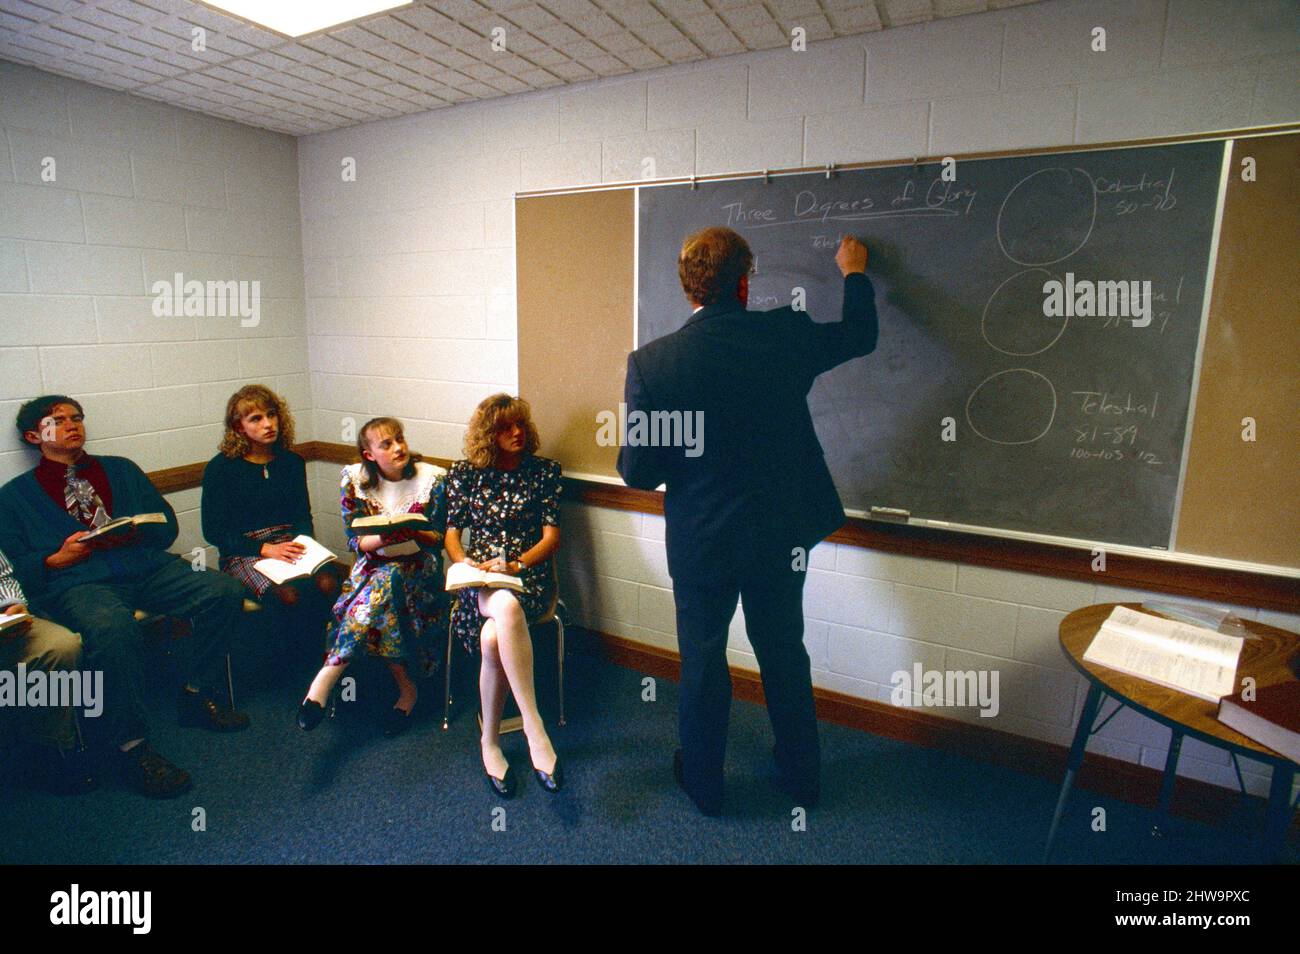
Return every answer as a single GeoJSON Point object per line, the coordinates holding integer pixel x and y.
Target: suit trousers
{"type": "Point", "coordinates": [771, 592]}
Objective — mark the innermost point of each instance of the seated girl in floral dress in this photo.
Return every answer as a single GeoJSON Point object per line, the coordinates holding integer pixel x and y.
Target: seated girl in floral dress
{"type": "Point", "coordinates": [393, 604]}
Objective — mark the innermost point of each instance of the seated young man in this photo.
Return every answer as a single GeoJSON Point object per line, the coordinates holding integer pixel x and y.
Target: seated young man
{"type": "Point", "coordinates": [94, 587]}
{"type": "Point", "coordinates": [38, 644]}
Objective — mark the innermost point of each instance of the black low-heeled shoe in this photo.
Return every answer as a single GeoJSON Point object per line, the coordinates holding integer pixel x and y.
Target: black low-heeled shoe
{"type": "Point", "coordinates": [501, 787]}
{"type": "Point", "coordinates": [396, 722]}
{"type": "Point", "coordinates": [310, 714]}
{"type": "Point", "coordinates": [552, 782]}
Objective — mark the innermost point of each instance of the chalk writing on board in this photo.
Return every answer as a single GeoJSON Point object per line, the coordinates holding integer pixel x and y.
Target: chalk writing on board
{"type": "Point", "coordinates": [1005, 317]}
{"type": "Point", "coordinates": [1155, 194]}
{"type": "Point", "coordinates": [1065, 197]}
{"type": "Point", "coordinates": [1108, 404]}
{"type": "Point", "coordinates": [1034, 393]}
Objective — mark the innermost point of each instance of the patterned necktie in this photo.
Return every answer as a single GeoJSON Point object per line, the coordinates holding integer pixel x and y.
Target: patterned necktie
{"type": "Point", "coordinates": [80, 498]}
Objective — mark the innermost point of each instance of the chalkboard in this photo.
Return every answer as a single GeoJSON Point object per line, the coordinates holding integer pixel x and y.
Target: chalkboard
{"type": "Point", "coordinates": [977, 407]}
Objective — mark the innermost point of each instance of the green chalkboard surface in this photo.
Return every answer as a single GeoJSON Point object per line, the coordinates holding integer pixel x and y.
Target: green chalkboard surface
{"type": "Point", "coordinates": [1015, 386]}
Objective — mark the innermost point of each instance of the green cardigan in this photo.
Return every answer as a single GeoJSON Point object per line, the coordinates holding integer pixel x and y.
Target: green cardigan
{"type": "Point", "coordinates": [32, 526]}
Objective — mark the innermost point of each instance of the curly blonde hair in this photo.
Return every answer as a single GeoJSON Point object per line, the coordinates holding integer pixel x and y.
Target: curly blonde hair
{"type": "Point", "coordinates": [234, 443]}
{"type": "Point", "coordinates": [492, 414]}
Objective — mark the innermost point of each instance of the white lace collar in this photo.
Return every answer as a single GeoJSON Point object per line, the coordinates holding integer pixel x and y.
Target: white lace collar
{"type": "Point", "coordinates": [415, 489]}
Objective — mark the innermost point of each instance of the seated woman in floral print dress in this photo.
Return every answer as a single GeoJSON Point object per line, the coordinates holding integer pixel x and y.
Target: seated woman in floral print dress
{"type": "Point", "coordinates": [507, 499]}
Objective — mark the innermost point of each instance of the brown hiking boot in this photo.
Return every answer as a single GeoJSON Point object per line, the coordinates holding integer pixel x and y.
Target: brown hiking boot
{"type": "Point", "coordinates": [151, 775]}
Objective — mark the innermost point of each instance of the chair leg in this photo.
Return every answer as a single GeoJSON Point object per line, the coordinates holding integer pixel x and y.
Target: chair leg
{"type": "Point", "coordinates": [446, 685]}
{"type": "Point", "coordinates": [230, 682]}
{"type": "Point", "coordinates": [559, 643]}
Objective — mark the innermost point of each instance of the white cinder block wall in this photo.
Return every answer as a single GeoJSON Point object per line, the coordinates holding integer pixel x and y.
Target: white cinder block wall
{"type": "Point", "coordinates": [141, 191]}
{"type": "Point", "coordinates": [410, 309]}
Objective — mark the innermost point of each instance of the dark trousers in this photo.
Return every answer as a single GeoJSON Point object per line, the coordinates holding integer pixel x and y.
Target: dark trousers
{"type": "Point", "coordinates": [772, 596]}
{"type": "Point", "coordinates": [114, 642]}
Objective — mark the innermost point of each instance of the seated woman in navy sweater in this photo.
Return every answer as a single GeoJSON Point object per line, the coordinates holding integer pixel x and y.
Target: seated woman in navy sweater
{"type": "Point", "coordinates": [255, 502]}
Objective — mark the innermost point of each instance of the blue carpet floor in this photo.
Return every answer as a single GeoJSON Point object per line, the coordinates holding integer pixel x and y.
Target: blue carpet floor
{"type": "Point", "coordinates": [345, 794]}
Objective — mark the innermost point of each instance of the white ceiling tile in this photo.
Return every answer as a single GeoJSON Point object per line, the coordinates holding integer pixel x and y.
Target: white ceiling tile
{"type": "Point", "coordinates": [681, 9]}
{"type": "Point", "coordinates": [642, 58]}
{"type": "Point", "coordinates": [423, 18]}
{"type": "Point", "coordinates": [902, 12]}
{"type": "Point", "coordinates": [131, 10]}
{"type": "Point", "coordinates": [105, 19]}
{"type": "Point", "coordinates": [32, 12]}
{"type": "Point", "coordinates": [12, 25]}
{"type": "Point", "coordinates": [531, 17]}
{"type": "Point", "coordinates": [420, 57]}
{"type": "Point", "coordinates": [390, 28]}
{"type": "Point", "coordinates": [255, 36]}
{"type": "Point", "coordinates": [458, 9]}
{"type": "Point", "coordinates": [858, 20]}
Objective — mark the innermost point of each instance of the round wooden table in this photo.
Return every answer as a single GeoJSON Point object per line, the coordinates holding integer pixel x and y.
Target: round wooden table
{"type": "Point", "coordinates": [1264, 656]}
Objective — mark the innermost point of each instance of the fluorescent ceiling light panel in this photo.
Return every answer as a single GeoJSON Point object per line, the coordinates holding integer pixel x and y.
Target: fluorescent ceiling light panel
{"type": "Point", "coordinates": [297, 17]}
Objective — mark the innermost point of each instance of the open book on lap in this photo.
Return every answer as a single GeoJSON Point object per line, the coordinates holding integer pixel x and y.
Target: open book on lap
{"type": "Point", "coordinates": [315, 557]}
{"type": "Point", "coordinates": [122, 524]}
{"type": "Point", "coordinates": [463, 576]}
{"type": "Point", "coordinates": [384, 524]}
{"type": "Point", "coordinates": [14, 619]}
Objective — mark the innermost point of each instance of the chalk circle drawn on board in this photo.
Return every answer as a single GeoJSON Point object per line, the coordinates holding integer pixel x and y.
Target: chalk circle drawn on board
{"type": "Point", "coordinates": [1050, 392]}
{"type": "Point", "coordinates": [1037, 320]}
{"type": "Point", "coordinates": [1054, 193]}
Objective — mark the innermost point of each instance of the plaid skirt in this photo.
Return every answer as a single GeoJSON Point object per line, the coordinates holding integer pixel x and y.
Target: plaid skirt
{"type": "Point", "coordinates": [241, 567]}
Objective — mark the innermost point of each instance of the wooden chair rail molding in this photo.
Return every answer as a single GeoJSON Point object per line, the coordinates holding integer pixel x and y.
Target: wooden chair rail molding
{"type": "Point", "coordinates": [1218, 584]}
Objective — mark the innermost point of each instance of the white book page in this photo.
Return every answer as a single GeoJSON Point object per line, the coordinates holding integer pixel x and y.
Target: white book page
{"type": "Point", "coordinates": [280, 570]}
{"type": "Point", "coordinates": [1187, 658]}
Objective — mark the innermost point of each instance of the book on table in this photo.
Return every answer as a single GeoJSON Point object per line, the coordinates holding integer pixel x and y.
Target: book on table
{"type": "Point", "coordinates": [1272, 718]}
{"type": "Point", "coordinates": [382, 523]}
{"type": "Point", "coordinates": [1191, 659]}
{"type": "Point", "coordinates": [123, 524]}
{"type": "Point", "coordinates": [9, 620]}
{"type": "Point", "coordinates": [462, 575]}
{"type": "Point", "coordinates": [314, 557]}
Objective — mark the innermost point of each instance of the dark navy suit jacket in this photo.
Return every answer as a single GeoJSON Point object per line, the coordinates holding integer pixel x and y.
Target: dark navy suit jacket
{"type": "Point", "coordinates": [761, 477]}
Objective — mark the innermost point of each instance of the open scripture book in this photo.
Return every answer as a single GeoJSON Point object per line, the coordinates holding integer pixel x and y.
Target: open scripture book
{"type": "Point", "coordinates": [277, 571]}
{"type": "Point", "coordinates": [462, 575]}
{"type": "Point", "coordinates": [122, 524]}
{"type": "Point", "coordinates": [382, 523]}
{"type": "Point", "coordinates": [14, 619]}
{"type": "Point", "coordinates": [1191, 659]}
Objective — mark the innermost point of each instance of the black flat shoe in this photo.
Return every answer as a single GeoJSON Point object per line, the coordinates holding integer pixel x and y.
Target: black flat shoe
{"type": "Point", "coordinates": [396, 722]}
{"type": "Point", "coordinates": [711, 809]}
{"type": "Point", "coordinates": [501, 787]}
{"type": "Point", "coordinates": [310, 714]}
{"type": "Point", "coordinates": [554, 781]}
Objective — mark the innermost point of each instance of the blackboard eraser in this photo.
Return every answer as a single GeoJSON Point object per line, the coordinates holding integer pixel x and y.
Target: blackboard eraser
{"type": "Point", "coordinates": [890, 513]}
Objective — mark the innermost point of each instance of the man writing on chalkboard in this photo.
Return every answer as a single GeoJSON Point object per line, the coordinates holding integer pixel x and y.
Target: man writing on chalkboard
{"type": "Point", "coordinates": [744, 507]}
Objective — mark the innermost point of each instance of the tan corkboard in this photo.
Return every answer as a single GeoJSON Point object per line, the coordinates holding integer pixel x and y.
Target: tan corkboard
{"type": "Point", "coordinates": [575, 282]}
{"type": "Point", "coordinates": [1240, 498]}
